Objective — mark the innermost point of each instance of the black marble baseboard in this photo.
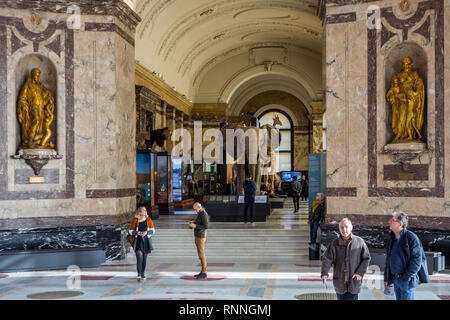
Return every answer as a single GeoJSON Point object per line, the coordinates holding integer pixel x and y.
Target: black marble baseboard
{"type": "Point", "coordinates": [376, 237]}
{"type": "Point", "coordinates": [111, 238]}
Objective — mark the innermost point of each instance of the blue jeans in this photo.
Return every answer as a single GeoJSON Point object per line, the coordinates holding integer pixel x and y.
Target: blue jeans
{"type": "Point", "coordinates": [403, 289]}
{"type": "Point", "coordinates": [313, 226]}
{"type": "Point", "coordinates": [347, 296]}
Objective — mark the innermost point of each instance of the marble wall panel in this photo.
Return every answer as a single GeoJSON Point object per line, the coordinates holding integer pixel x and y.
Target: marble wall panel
{"type": "Point", "coordinates": [335, 106]}
{"type": "Point", "coordinates": [447, 91]}
{"type": "Point", "coordinates": [301, 151]}
{"type": "Point", "coordinates": [125, 115]}
{"type": "Point", "coordinates": [366, 73]}
{"type": "Point", "coordinates": [100, 56]}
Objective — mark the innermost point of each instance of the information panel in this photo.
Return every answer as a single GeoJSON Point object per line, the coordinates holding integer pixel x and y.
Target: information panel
{"type": "Point", "coordinates": [317, 176]}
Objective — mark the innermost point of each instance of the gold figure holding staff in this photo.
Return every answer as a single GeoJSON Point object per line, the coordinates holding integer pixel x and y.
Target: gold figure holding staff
{"type": "Point", "coordinates": [407, 97]}
{"type": "Point", "coordinates": [35, 113]}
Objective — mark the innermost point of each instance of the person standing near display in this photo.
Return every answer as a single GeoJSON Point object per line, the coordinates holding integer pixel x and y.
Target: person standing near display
{"type": "Point", "coordinates": [141, 230]}
{"type": "Point", "coordinates": [304, 184]}
{"type": "Point", "coordinates": [200, 225]}
{"type": "Point", "coordinates": [249, 198]}
{"type": "Point", "coordinates": [316, 216]}
{"type": "Point", "coordinates": [296, 188]}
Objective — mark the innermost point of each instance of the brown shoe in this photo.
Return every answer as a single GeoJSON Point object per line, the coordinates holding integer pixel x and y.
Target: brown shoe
{"type": "Point", "coordinates": [201, 276]}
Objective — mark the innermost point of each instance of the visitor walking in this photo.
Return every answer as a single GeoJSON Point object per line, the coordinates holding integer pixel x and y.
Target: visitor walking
{"type": "Point", "coordinates": [141, 230]}
{"type": "Point", "coordinates": [350, 257]}
{"type": "Point", "coordinates": [200, 225]}
{"type": "Point", "coordinates": [316, 216]}
{"type": "Point", "coordinates": [304, 184]}
{"type": "Point", "coordinates": [296, 191]}
{"type": "Point", "coordinates": [406, 264]}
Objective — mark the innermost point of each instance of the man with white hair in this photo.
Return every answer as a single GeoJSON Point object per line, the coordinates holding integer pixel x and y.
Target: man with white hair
{"type": "Point", "coordinates": [406, 264]}
{"type": "Point", "coordinates": [200, 225]}
{"type": "Point", "coordinates": [350, 257]}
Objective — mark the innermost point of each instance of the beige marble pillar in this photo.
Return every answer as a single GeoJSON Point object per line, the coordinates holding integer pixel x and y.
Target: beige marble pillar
{"type": "Point", "coordinates": [189, 126]}
{"type": "Point", "coordinates": [171, 124]}
{"type": "Point", "coordinates": [91, 190]}
{"type": "Point", "coordinates": [317, 118]}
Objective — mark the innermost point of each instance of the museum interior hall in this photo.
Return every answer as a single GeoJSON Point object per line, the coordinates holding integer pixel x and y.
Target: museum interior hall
{"type": "Point", "coordinates": [113, 105]}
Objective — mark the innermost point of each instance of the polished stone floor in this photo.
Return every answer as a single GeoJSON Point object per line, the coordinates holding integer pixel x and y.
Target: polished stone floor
{"type": "Point", "coordinates": [231, 276]}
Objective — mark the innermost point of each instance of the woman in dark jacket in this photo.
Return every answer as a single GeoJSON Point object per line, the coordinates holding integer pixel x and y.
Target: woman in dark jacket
{"type": "Point", "coordinates": [316, 216]}
{"type": "Point", "coordinates": [141, 229]}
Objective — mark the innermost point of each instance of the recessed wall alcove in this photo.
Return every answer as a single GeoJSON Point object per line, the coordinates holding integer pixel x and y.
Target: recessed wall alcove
{"type": "Point", "coordinates": [49, 79]}
{"type": "Point", "coordinates": [393, 67]}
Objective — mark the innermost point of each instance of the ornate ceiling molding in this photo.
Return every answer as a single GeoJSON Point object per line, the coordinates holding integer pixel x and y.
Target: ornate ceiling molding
{"type": "Point", "coordinates": [242, 97]}
{"type": "Point", "coordinates": [175, 32]}
{"type": "Point", "coordinates": [205, 68]}
{"type": "Point", "coordinates": [153, 11]}
{"type": "Point", "coordinates": [246, 28]}
{"type": "Point", "coordinates": [300, 83]}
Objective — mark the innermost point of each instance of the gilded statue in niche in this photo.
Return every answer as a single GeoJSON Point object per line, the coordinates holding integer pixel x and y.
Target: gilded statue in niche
{"type": "Point", "coordinates": [407, 97]}
{"type": "Point", "coordinates": [35, 110]}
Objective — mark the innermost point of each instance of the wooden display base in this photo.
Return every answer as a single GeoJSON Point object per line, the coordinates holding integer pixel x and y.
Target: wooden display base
{"type": "Point", "coordinates": [185, 204]}
{"type": "Point", "coordinates": [166, 208]}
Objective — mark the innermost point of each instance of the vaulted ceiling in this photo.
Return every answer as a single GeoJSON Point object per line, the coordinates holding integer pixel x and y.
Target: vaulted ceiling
{"type": "Point", "coordinates": [205, 47]}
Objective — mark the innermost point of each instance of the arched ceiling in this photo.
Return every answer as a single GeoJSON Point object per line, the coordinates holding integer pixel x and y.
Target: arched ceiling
{"type": "Point", "coordinates": [185, 39]}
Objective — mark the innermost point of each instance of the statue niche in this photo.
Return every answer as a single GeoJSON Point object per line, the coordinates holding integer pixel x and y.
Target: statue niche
{"type": "Point", "coordinates": [35, 110]}
{"type": "Point", "coordinates": [35, 115]}
{"type": "Point", "coordinates": [407, 97]}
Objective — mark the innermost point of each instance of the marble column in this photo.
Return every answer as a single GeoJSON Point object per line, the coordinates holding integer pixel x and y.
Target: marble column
{"type": "Point", "coordinates": [362, 54]}
{"type": "Point", "coordinates": [171, 124]}
{"type": "Point", "coordinates": [317, 121]}
{"type": "Point", "coordinates": [87, 198]}
{"type": "Point", "coordinates": [301, 147]}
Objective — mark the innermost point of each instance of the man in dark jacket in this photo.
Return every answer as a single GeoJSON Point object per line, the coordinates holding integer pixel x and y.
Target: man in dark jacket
{"type": "Point", "coordinates": [200, 225]}
{"type": "Point", "coordinates": [350, 259]}
{"type": "Point", "coordinates": [406, 265]}
{"type": "Point", "coordinates": [249, 198]}
{"type": "Point", "coordinates": [296, 191]}
{"type": "Point", "coordinates": [304, 185]}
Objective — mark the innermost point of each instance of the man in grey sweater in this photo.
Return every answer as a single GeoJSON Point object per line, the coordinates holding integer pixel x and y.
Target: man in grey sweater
{"type": "Point", "coordinates": [350, 259]}
{"type": "Point", "coordinates": [200, 225]}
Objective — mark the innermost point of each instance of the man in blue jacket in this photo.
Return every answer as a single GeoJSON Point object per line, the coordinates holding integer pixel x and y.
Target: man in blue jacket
{"type": "Point", "coordinates": [249, 197]}
{"type": "Point", "coordinates": [406, 264]}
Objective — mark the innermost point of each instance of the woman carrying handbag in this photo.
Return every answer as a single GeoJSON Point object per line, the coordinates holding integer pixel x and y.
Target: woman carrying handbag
{"type": "Point", "coordinates": [139, 236]}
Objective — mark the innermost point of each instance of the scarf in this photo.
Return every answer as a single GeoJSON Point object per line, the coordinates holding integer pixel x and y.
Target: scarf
{"type": "Point", "coordinates": [316, 203]}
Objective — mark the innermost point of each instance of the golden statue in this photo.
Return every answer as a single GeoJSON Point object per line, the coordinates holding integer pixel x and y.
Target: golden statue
{"type": "Point", "coordinates": [35, 113]}
{"type": "Point", "coordinates": [407, 97]}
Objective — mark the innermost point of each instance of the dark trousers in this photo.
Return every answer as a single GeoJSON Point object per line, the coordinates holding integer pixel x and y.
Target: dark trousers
{"type": "Point", "coordinates": [347, 296]}
{"type": "Point", "coordinates": [141, 262]}
{"type": "Point", "coordinates": [313, 226]}
{"type": "Point", "coordinates": [304, 196]}
{"type": "Point", "coordinates": [249, 206]}
{"type": "Point", "coordinates": [296, 205]}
